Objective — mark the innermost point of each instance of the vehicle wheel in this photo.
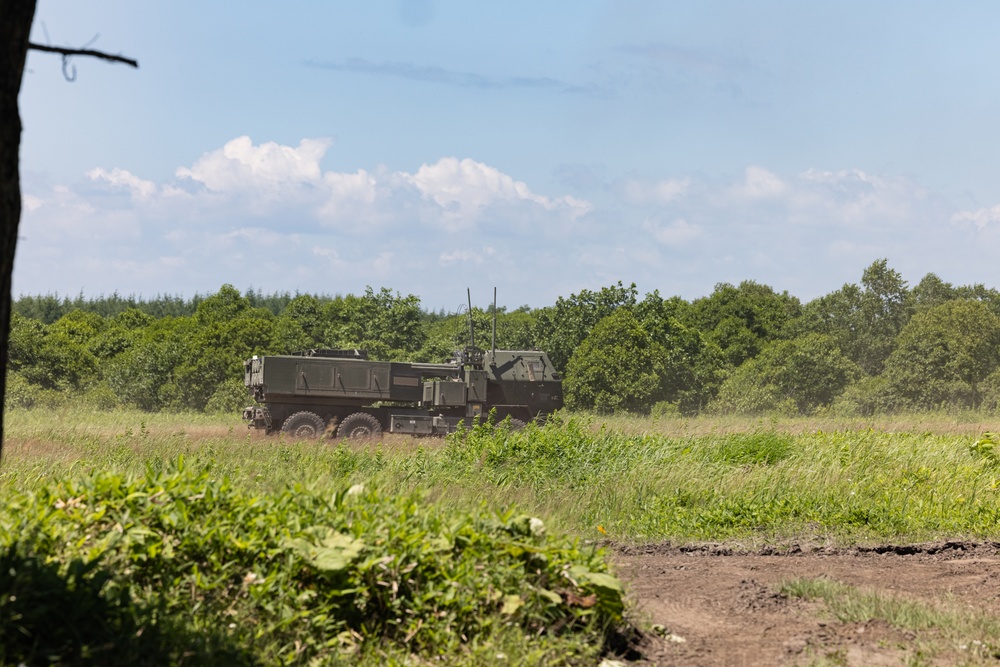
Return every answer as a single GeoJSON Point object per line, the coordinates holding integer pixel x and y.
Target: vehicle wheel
{"type": "Point", "coordinates": [359, 425]}
{"type": "Point", "coordinates": [304, 425]}
{"type": "Point", "coordinates": [516, 425]}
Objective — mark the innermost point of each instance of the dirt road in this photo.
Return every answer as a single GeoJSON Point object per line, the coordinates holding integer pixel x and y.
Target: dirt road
{"type": "Point", "coordinates": [721, 607]}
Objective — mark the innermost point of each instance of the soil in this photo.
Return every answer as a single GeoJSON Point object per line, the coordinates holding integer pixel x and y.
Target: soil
{"type": "Point", "coordinates": [720, 605]}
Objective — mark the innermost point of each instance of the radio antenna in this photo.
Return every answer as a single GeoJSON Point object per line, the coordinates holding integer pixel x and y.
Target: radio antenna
{"type": "Point", "coordinates": [472, 333]}
{"type": "Point", "coordinates": [494, 322]}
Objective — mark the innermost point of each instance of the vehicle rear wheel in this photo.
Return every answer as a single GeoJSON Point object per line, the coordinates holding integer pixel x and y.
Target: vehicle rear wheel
{"type": "Point", "coordinates": [516, 424]}
{"type": "Point", "coordinates": [359, 425]}
{"type": "Point", "coordinates": [304, 425]}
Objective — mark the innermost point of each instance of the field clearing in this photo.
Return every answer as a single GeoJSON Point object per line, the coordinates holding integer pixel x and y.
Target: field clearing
{"type": "Point", "coordinates": [720, 527]}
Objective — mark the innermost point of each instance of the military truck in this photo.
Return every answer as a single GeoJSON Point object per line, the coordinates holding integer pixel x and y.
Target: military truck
{"type": "Point", "coordinates": [342, 392]}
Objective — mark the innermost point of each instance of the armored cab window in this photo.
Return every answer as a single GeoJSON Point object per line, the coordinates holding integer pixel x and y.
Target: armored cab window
{"type": "Point", "coordinates": [535, 369]}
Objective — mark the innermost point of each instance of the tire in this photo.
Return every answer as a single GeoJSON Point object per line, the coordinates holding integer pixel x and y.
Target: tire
{"type": "Point", "coordinates": [516, 425]}
{"type": "Point", "coordinates": [307, 425]}
{"type": "Point", "coordinates": [359, 425]}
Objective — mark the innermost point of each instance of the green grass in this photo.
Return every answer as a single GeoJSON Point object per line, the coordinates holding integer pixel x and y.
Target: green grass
{"type": "Point", "coordinates": [940, 630]}
{"type": "Point", "coordinates": [682, 483]}
{"type": "Point", "coordinates": [751, 481]}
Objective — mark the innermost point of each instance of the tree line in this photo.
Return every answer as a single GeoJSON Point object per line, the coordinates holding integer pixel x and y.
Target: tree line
{"type": "Point", "coordinates": [870, 347]}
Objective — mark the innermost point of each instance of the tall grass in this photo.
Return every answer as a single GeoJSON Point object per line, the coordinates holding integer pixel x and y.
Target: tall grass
{"type": "Point", "coordinates": [635, 480]}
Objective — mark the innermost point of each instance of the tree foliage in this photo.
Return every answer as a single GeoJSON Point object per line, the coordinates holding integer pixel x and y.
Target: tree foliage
{"type": "Point", "coordinates": [741, 320]}
{"type": "Point", "coordinates": [864, 319]}
{"type": "Point", "coordinates": [943, 356]}
{"type": "Point", "coordinates": [871, 346]}
{"type": "Point", "coordinates": [617, 367]}
{"type": "Point", "coordinates": [797, 376]}
{"type": "Point", "coordinates": [561, 328]}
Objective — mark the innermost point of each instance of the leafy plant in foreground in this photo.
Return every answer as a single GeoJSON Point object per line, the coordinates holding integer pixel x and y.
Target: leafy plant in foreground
{"type": "Point", "coordinates": [297, 575]}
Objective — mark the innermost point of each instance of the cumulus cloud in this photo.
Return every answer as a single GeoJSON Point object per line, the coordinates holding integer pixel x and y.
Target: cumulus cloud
{"type": "Point", "coordinates": [980, 218]}
{"type": "Point", "coordinates": [241, 166]}
{"type": "Point", "coordinates": [139, 188]}
{"type": "Point", "coordinates": [759, 183]}
{"type": "Point", "coordinates": [270, 216]}
{"type": "Point", "coordinates": [464, 189]}
{"type": "Point", "coordinates": [272, 213]}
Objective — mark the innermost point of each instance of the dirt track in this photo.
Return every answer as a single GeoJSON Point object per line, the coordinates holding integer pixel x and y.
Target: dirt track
{"type": "Point", "coordinates": [721, 607]}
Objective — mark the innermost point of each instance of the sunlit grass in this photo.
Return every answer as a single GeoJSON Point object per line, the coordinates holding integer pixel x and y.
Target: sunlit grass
{"type": "Point", "coordinates": [639, 479]}
{"type": "Point", "coordinates": [940, 630]}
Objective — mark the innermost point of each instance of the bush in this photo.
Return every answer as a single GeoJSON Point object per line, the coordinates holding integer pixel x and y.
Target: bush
{"type": "Point", "coordinates": [292, 577]}
{"type": "Point", "coordinates": [864, 398]}
{"type": "Point", "coordinates": [20, 392]}
{"type": "Point", "coordinates": [794, 376]}
{"type": "Point", "coordinates": [100, 396]}
{"type": "Point", "coordinates": [230, 397]}
{"type": "Point", "coordinates": [665, 410]}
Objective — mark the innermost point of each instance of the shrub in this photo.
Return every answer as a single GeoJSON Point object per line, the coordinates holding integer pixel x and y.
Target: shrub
{"type": "Point", "coordinates": [292, 577]}
{"type": "Point", "coordinates": [20, 392]}
{"type": "Point", "coordinates": [798, 375]}
{"type": "Point", "coordinates": [230, 397]}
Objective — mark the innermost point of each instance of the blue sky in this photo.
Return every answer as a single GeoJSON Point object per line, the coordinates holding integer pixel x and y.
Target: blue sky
{"type": "Point", "coordinates": [542, 148]}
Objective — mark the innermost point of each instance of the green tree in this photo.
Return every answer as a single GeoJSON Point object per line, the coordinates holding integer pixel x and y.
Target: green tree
{"type": "Point", "coordinates": [562, 327]}
{"type": "Point", "coordinates": [617, 367]}
{"type": "Point", "coordinates": [741, 320]}
{"type": "Point", "coordinates": [120, 334]}
{"type": "Point", "coordinates": [691, 365]}
{"type": "Point", "coordinates": [943, 355]}
{"type": "Point", "coordinates": [56, 356]}
{"type": "Point", "coordinates": [801, 374]}
{"type": "Point", "coordinates": [932, 291]}
{"type": "Point", "coordinates": [307, 311]}
{"type": "Point", "coordinates": [26, 336]}
{"type": "Point", "coordinates": [387, 324]}
{"type": "Point", "coordinates": [143, 376]}
{"type": "Point", "coordinates": [445, 335]}
{"type": "Point", "coordinates": [864, 319]}
{"type": "Point", "coordinates": [217, 351]}
{"type": "Point", "coordinates": [225, 305]}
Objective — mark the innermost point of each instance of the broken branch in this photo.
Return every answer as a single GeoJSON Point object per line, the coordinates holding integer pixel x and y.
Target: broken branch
{"type": "Point", "coordinates": [83, 52]}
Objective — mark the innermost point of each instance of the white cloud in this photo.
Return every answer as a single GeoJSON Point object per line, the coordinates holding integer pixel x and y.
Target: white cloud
{"type": "Point", "coordinates": [467, 255]}
{"type": "Point", "coordinates": [464, 189]}
{"type": "Point", "coordinates": [676, 233]}
{"type": "Point", "coordinates": [139, 188]}
{"type": "Point", "coordinates": [30, 203]}
{"type": "Point", "coordinates": [759, 183]}
{"type": "Point", "coordinates": [241, 166]}
{"type": "Point", "coordinates": [980, 218]}
{"type": "Point", "coordinates": [270, 217]}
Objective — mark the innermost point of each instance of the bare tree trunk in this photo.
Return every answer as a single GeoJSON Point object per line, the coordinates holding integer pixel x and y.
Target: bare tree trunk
{"type": "Point", "coordinates": [14, 30]}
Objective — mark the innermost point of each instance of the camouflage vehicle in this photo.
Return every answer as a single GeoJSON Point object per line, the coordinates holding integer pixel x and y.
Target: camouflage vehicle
{"type": "Point", "coordinates": [342, 392]}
